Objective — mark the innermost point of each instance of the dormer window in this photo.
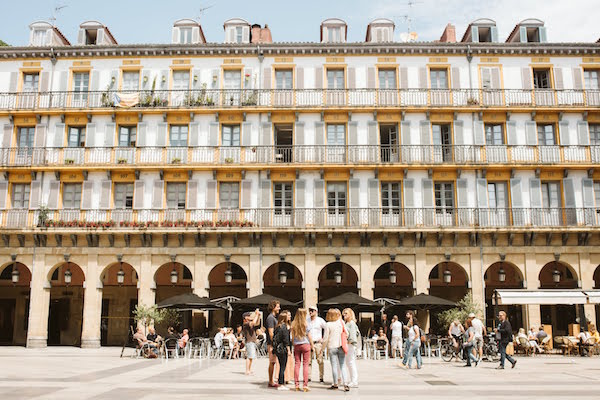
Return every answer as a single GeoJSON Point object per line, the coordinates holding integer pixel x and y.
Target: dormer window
{"type": "Point", "coordinates": [39, 37]}
{"type": "Point", "coordinates": [91, 36]}
{"type": "Point", "coordinates": [533, 35]}
{"type": "Point", "coordinates": [185, 35]}
{"type": "Point", "coordinates": [485, 34]}
{"type": "Point", "coordinates": [334, 34]}
{"type": "Point", "coordinates": [239, 34]}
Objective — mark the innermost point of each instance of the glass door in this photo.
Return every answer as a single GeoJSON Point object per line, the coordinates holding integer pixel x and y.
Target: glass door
{"type": "Point", "coordinates": [336, 203]}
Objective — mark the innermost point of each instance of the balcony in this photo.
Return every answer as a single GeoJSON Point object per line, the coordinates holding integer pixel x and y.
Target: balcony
{"type": "Point", "coordinates": [303, 219]}
{"type": "Point", "coordinates": [303, 98]}
{"type": "Point", "coordinates": [79, 157]}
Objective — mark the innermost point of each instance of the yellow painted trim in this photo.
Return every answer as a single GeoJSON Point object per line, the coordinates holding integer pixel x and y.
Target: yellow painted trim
{"type": "Point", "coordinates": [335, 117]}
{"type": "Point", "coordinates": [175, 176]}
{"type": "Point", "coordinates": [229, 176]}
{"type": "Point", "coordinates": [178, 118]}
{"type": "Point", "coordinates": [72, 177]}
{"type": "Point", "coordinates": [283, 176]}
{"type": "Point", "coordinates": [128, 119]}
{"type": "Point", "coordinates": [546, 175]}
{"type": "Point", "coordinates": [18, 177]}
{"type": "Point", "coordinates": [123, 177]}
{"type": "Point", "coordinates": [444, 176]}
{"type": "Point", "coordinates": [389, 117]}
{"type": "Point", "coordinates": [76, 120]}
{"type": "Point", "coordinates": [283, 118]}
{"type": "Point", "coordinates": [391, 176]}
{"type": "Point", "coordinates": [24, 121]}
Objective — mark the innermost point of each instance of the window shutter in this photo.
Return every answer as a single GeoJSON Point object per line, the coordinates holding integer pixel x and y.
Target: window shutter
{"type": "Point", "coordinates": [3, 194]}
{"type": "Point", "coordinates": [319, 133]}
{"type": "Point", "coordinates": [12, 85]}
{"type": "Point", "coordinates": [459, 133]}
{"type": "Point", "coordinates": [95, 81]}
{"type": "Point", "coordinates": [34, 195]}
{"type": "Point", "coordinates": [299, 134]}
{"type": "Point", "coordinates": [195, 35]}
{"type": "Point", "coordinates": [354, 185]}
{"type": "Point", "coordinates": [158, 194]}
{"type": "Point", "coordinates": [479, 137]}
{"type": "Point", "coordinates": [583, 133]}
{"type": "Point", "coordinates": [53, 195]}
{"type": "Point", "coordinates": [86, 195]}
{"type": "Point", "coordinates": [405, 131]}
{"type": "Point", "coordinates": [299, 78]}
{"type": "Point", "coordinates": [161, 134]}
{"type": "Point", "coordinates": [62, 81]}
{"type": "Point", "coordinates": [59, 135]}
{"type": "Point", "coordinates": [427, 193]}
{"type": "Point", "coordinates": [175, 35]}
{"type": "Point", "coordinates": [40, 135]}
{"type": "Point", "coordinates": [543, 34]}
{"type": "Point", "coordinates": [474, 34]}
{"type": "Point", "coordinates": [319, 78]}
{"type": "Point", "coordinates": [211, 195]}
{"type": "Point", "coordinates": [516, 194]}
{"type": "Point", "coordinates": [246, 134]}
{"type": "Point", "coordinates": [300, 189]}
{"type": "Point", "coordinates": [141, 134]}
{"type": "Point", "coordinates": [246, 202]}
{"type": "Point", "coordinates": [106, 187]}
{"type": "Point", "coordinates": [138, 195]}
{"type": "Point", "coordinates": [494, 34]}
{"type": "Point", "coordinates": [511, 132]}
{"type": "Point", "coordinates": [213, 134]}
{"type": "Point", "coordinates": [81, 37]}
{"type": "Point", "coordinates": [192, 194]}
{"type": "Point", "coordinates": [558, 79]}
{"type": "Point", "coordinates": [563, 130]}
{"type": "Point", "coordinates": [462, 193]}
{"type": "Point", "coordinates": [495, 78]}
{"type": "Point", "coordinates": [535, 193]}
{"type": "Point", "coordinates": [409, 193]}
{"type": "Point", "coordinates": [577, 79]}
{"type": "Point", "coordinates": [44, 81]}
{"type": "Point", "coordinates": [569, 190]}
{"type": "Point", "coordinates": [319, 193]}
{"type": "Point", "coordinates": [351, 78]}
{"type": "Point", "coordinates": [265, 193]}
{"type": "Point", "coordinates": [425, 128]}
{"type": "Point", "coordinates": [7, 135]}
{"type": "Point", "coordinates": [526, 78]}
{"type": "Point", "coordinates": [267, 78]}
{"type": "Point", "coordinates": [486, 75]}
{"type": "Point", "coordinates": [352, 133]}
{"type": "Point", "coordinates": [372, 133]}
{"type": "Point", "coordinates": [373, 193]}
{"type": "Point", "coordinates": [482, 193]}
{"type": "Point", "coordinates": [371, 78]}
{"type": "Point", "coordinates": [265, 134]}
{"type": "Point", "coordinates": [403, 78]}
{"type": "Point", "coordinates": [109, 134]}
{"type": "Point", "coordinates": [423, 78]}
{"type": "Point", "coordinates": [588, 193]}
{"type": "Point", "coordinates": [90, 135]}
{"type": "Point", "coordinates": [194, 134]}
{"type": "Point", "coordinates": [246, 34]}
{"type": "Point", "coordinates": [523, 34]}
{"type": "Point", "coordinates": [531, 133]}
{"type": "Point", "coordinates": [455, 78]}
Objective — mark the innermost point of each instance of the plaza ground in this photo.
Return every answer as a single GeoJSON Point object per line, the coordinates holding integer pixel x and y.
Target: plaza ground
{"type": "Point", "coordinates": [72, 373]}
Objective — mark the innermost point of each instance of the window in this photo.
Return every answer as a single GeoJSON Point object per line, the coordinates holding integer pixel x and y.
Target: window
{"type": "Point", "coordinates": [336, 135]}
{"type": "Point", "coordinates": [336, 197]}
{"type": "Point", "coordinates": [334, 34]}
{"type": "Point", "coordinates": [91, 35]}
{"type": "Point", "coordinates": [335, 79]}
{"type": "Point", "coordinates": [76, 136]}
{"type": "Point", "coordinates": [282, 198]}
{"type": "Point", "coordinates": [541, 79]}
{"type": "Point", "coordinates": [494, 135]}
{"type": "Point", "coordinates": [442, 141]}
{"type": "Point", "coordinates": [387, 79]}
{"type": "Point", "coordinates": [25, 137]}
{"type": "Point", "coordinates": [131, 80]}
{"type": "Point", "coordinates": [230, 136]}
{"type": "Point", "coordinates": [178, 136]}
{"type": "Point", "coordinates": [283, 79]}
{"type": "Point", "coordinates": [71, 195]}
{"type": "Point", "coordinates": [181, 80]}
{"type": "Point", "coordinates": [595, 134]}
{"type": "Point", "coordinates": [546, 135]}
{"type": "Point", "coordinates": [81, 85]}
{"type": "Point", "coordinates": [590, 77]}
{"type": "Point", "coordinates": [124, 196]}
{"type": "Point", "coordinates": [185, 35]}
{"type": "Point", "coordinates": [597, 193]}
{"type": "Point", "coordinates": [232, 79]}
{"type": "Point", "coordinates": [229, 195]}
{"type": "Point", "coordinates": [550, 195]}
{"type": "Point", "coordinates": [127, 136]}
{"type": "Point", "coordinates": [497, 195]}
{"type": "Point", "coordinates": [390, 197]}
{"type": "Point", "coordinates": [444, 197]}
{"type": "Point", "coordinates": [20, 195]}
{"type": "Point", "coordinates": [31, 82]}
{"type": "Point", "coordinates": [239, 34]}
{"type": "Point", "coordinates": [39, 37]}
{"type": "Point", "coordinates": [439, 78]}
{"type": "Point", "coordinates": [176, 195]}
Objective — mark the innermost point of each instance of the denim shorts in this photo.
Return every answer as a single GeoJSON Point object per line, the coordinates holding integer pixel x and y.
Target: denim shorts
{"type": "Point", "coordinates": [251, 350]}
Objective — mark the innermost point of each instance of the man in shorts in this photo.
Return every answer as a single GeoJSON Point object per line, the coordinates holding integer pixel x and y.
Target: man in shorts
{"type": "Point", "coordinates": [396, 327]}
{"type": "Point", "coordinates": [270, 324]}
{"type": "Point", "coordinates": [251, 323]}
{"type": "Point", "coordinates": [479, 332]}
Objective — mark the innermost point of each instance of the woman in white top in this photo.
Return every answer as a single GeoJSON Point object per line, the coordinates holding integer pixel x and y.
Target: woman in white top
{"type": "Point", "coordinates": [333, 342]}
{"type": "Point", "coordinates": [352, 328]}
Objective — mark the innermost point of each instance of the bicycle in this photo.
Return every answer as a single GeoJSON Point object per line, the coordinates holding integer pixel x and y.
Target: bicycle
{"type": "Point", "coordinates": [490, 348]}
{"type": "Point", "coordinates": [448, 352]}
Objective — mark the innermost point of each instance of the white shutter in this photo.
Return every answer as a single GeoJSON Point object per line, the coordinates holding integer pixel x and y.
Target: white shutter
{"type": "Point", "coordinates": [192, 195]}
{"type": "Point", "coordinates": [106, 188]}
{"type": "Point", "coordinates": [246, 202]}
{"type": "Point", "coordinates": [158, 194]}
{"type": "Point", "coordinates": [531, 133]}
{"type": "Point", "coordinates": [563, 130]}
{"type": "Point", "coordinates": [138, 195]}
{"type": "Point", "coordinates": [583, 135]}
{"type": "Point", "coordinates": [354, 197]}
{"type": "Point", "coordinates": [511, 132]}
{"type": "Point", "coordinates": [86, 195]}
{"type": "Point", "coordinates": [479, 133]}
{"type": "Point", "coordinates": [459, 133]}
{"type": "Point", "coordinates": [211, 194]}
{"type": "Point", "coordinates": [109, 134]}
{"type": "Point", "coordinates": [34, 195]}
{"type": "Point", "coordinates": [535, 193]}
{"type": "Point", "coordinates": [462, 193]}
{"type": "Point", "coordinates": [142, 133]}
{"type": "Point", "coordinates": [53, 195]}
{"type": "Point", "coordinates": [3, 194]}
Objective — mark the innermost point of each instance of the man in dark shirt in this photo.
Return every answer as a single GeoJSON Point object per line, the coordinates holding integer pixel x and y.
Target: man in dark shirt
{"type": "Point", "coordinates": [270, 324]}
{"type": "Point", "coordinates": [505, 330]}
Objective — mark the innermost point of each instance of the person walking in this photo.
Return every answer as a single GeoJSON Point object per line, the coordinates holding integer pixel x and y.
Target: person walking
{"type": "Point", "coordinates": [396, 328]}
{"type": "Point", "coordinates": [302, 344]}
{"type": "Point", "coordinates": [336, 342]}
{"type": "Point", "coordinates": [352, 328]}
{"type": "Point", "coordinates": [479, 333]}
{"type": "Point", "coordinates": [316, 328]}
{"type": "Point", "coordinates": [251, 323]}
{"type": "Point", "coordinates": [289, 369]}
{"type": "Point", "coordinates": [504, 334]}
{"type": "Point", "coordinates": [282, 347]}
{"type": "Point", "coordinates": [469, 343]}
{"type": "Point", "coordinates": [270, 324]}
{"type": "Point", "coordinates": [406, 347]}
{"type": "Point", "coordinates": [414, 348]}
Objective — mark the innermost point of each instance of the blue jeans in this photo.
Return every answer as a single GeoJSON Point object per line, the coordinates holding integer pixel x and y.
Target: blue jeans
{"type": "Point", "coordinates": [468, 355]}
{"type": "Point", "coordinates": [413, 350]}
{"type": "Point", "coordinates": [337, 357]}
{"type": "Point", "coordinates": [405, 351]}
{"type": "Point", "coordinates": [503, 355]}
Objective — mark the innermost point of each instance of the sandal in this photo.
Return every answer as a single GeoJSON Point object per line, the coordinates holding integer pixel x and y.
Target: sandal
{"type": "Point", "coordinates": [306, 389]}
{"type": "Point", "coordinates": [333, 387]}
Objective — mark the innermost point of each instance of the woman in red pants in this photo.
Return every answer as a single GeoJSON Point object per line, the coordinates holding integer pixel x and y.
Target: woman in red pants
{"type": "Point", "coordinates": [302, 345]}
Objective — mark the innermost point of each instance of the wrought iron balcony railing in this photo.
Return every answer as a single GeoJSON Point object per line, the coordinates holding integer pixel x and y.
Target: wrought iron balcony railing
{"type": "Point", "coordinates": [302, 98]}
{"type": "Point", "coordinates": [301, 218]}
{"type": "Point", "coordinates": [310, 154]}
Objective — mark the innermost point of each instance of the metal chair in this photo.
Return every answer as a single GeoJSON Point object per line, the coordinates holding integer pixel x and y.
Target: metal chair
{"type": "Point", "coordinates": [381, 346]}
{"type": "Point", "coordinates": [171, 347]}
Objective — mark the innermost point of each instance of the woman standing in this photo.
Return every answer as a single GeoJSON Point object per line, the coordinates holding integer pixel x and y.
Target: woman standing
{"type": "Point", "coordinates": [302, 345]}
{"type": "Point", "coordinates": [469, 343]}
{"type": "Point", "coordinates": [335, 337]}
{"type": "Point", "coordinates": [352, 329]}
{"type": "Point", "coordinates": [282, 347]}
{"type": "Point", "coordinates": [289, 369]}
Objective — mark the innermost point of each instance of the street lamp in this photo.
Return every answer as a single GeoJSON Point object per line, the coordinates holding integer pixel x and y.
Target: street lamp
{"type": "Point", "coordinates": [392, 275]}
{"type": "Point", "coordinates": [121, 273]}
{"type": "Point", "coordinates": [174, 276]}
{"type": "Point", "coordinates": [447, 276]}
{"type": "Point", "coordinates": [501, 275]}
{"type": "Point", "coordinates": [68, 276]}
{"type": "Point", "coordinates": [15, 272]}
{"type": "Point", "coordinates": [282, 277]}
{"type": "Point", "coordinates": [337, 276]}
{"type": "Point", "coordinates": [556, 276]}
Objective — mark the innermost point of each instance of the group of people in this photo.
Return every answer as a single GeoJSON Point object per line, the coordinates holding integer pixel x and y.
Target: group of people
{"type": "Point", "coordinates": [533, 338]}
{"type": "Point", "coordinates": [151, 344]}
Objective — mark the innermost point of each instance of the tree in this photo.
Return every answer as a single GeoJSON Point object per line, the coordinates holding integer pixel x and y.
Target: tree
{"type": "Point", "coordinates": [147, 315]}
{"type": "Point", "coordinates": [3, 43]}
{"type": "Point", "coordinates": [465, 307]}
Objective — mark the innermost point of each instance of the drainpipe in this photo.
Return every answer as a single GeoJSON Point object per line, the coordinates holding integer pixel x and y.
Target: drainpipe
{"type": "Point", "coordinates": [261, 58]}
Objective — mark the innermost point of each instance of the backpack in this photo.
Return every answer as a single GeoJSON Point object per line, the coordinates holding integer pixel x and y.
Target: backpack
{"type": "Point", "coordinates": [278, 343]}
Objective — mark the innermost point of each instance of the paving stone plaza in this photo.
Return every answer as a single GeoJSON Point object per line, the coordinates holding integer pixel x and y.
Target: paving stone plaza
{"type": "Point", "coordinates": [72, 373]}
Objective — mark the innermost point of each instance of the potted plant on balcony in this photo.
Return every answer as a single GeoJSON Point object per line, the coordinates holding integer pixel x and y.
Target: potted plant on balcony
{"type": "Point", "coordinates": [69, 161]}
{"type": "Point", "coordinates": [252, 99]}
{"type": "Point", "coordinates": [229, 160]}
{"type": "Point", "coordinates": [106, 99]}
{"type": "Point", "coordinates": [471, 101]}
{"type": "Point", "coordinates": [122, 161]}
{"type": "Point", "coordinates": [43, 217]}
{"type": "Point", "coordinates": [176, 160]}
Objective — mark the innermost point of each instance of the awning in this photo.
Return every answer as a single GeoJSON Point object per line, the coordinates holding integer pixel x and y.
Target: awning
{"type": "Point", "coordinates": [593, 296]}
{"type": "Point", "coordinates": [542, 297]}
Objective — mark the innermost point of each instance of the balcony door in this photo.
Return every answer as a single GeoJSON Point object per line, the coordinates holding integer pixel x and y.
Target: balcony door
{"type": "Point", "coordinates": [548, 146]}
{"type": "Point", "coordinates": [81, 87]}
{"type": "Point", "coordinates": [24, 145]}
{"type": "Point", "coordinates": [284, 94]}
{"type": "Point", "coordinates": [388, 139]}
{"type": "Point", "coordinates": [283, 202]}
{"type": "Point", "coordinates": [444, 203]}
{"type": "Point", "coordinates": [498, 203]}
{"type": "Point", "coordinates": [232, 84]}
{"type": "Point", "coordinates": [230, 144]}
{"type": "Point", "coordinates": [181, 87]}
{"type": "Point", "coordinates": [27, 99]}
{"type": "Point", "coordinates": [442, 143]}
{"type": "Point", "coordinates": [336, 83]}
{"type": "Point", "coordinates": [550, 214]}
{"type": "Point", "coordinates": [388, 89]}
{"type": "Point", "coordinates": [391, 203]}
{"type": "Point", "coordinates": [75, 152]}
{"type": "Point", "coordinates": [336, 203]}
{"type": "Point", "coordinates": [336, 143]}
{"type": "Point", "coordinates": [440, 95]}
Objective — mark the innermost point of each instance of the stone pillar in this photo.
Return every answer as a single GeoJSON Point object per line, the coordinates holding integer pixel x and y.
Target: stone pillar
{"type": "Point", "coordinates": [39, 304]}
{"type": "Point", "coordinates": [421, 273]}
{"type": "Point", "coordinates": [366, 276]}
{"type": "Point", "coordinates": [200, 276]}
{"type": "Point", "coordinates": [311, 280]}
{"type": "Point", "coordinates": [255, 276]}
{"type": "Point", "coordinates": [146, 292]}
{"type": "Point", "coordinates": [92, 305]}
{"type": "Point", "coordinates": [534, 315]}
{"type": "Point", "coordinates": [476, 278]}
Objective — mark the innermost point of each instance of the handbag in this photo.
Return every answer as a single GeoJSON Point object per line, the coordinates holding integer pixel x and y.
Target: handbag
{"type": "Point", "coordinates": [344, 338]}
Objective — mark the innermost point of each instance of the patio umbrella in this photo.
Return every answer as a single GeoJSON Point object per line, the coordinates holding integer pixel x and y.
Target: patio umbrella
{"type": "Point", "coordinates": [189, 301]}
{"type": "Point", "coordinates": [351, 300]}
{"type": "Point", "coordinates": [261, 301]}
{"type": "Point", "coordinates": [424, 301]}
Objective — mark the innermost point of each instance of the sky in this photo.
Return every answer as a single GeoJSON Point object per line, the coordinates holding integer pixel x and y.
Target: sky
{"type": "Point", "coordinates": [150, 21]}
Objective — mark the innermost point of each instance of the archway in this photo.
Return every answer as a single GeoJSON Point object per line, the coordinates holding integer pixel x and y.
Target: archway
{"type": "Point", "coordinates": [173, 279]}
{"type": "Point", "coordinates": [393, 280]}
{"type": "Point", "coordinates": [337, 278]}
{"type": "Point", "coordinates": [15, 280]}
{"type": "Point", "coordinates": [283, 280]}
{"type": "Point", "coordinates": [66, 304]}
{"type": "Point", "coordinates": [503, 275]}
{"type": "Point", "coordinates": [557, 275]}
{"type": "Point", "coordinates": [226, 279]}
{"type": "Point", "coordinates": [449, 281]}
{"type": "Point", "coordinates": [119, 298]}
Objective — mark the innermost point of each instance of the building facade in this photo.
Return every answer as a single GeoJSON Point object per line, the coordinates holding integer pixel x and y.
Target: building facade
{"type": "Point", "coordinates": [132, 173]}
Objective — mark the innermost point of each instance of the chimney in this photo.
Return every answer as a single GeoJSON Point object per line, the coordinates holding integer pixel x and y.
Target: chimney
{"type": "Point", "coordinates": [449, 35]}
{"type": "Point", "coordinates": [260, 35]}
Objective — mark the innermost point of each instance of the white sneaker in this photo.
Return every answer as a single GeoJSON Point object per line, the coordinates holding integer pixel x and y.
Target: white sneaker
{"type": "Point", "coordinates": [282, 387]}
{"type": "Point", "coordinates": [353, 385]}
